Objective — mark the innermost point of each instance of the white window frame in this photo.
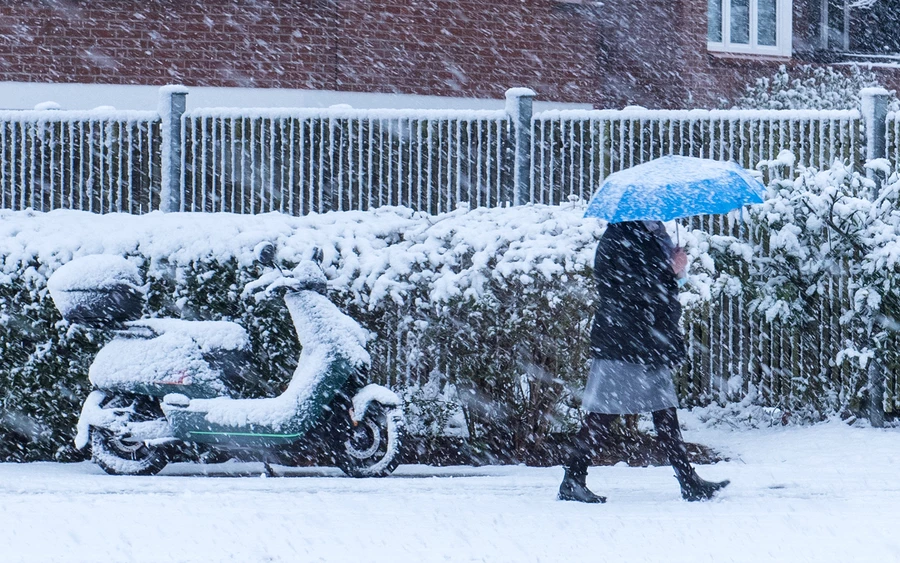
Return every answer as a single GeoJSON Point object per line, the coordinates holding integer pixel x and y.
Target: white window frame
{"type": "Point", "coordinates": [783, 32]}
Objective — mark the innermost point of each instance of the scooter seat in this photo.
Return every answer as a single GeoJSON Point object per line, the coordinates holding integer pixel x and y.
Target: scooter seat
{"type": "Point", "coordinates": [211, 336]}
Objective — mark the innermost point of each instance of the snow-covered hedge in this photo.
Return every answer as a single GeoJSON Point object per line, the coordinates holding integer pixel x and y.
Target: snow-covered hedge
{"type": "Point", "coordinates": [479, 317]}
{"type": "Point", "coordinates": [808, 87]}
{"type": "Point", "coordinates": [822, 272]}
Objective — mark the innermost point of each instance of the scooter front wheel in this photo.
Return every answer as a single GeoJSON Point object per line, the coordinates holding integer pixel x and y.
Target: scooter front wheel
{"type": "Point", "coordinates": [120, 454]}
{"type": "Point", "coordinates": [371, 447]}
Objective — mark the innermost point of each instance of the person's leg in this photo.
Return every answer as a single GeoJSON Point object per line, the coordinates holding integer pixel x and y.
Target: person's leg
{"type": "Point", "coordinates": [593, 436]}
{"type": "Point", "coordinates": [692, 487]}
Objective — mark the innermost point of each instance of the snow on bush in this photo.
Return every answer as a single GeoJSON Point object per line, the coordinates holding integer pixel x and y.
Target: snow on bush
{"type": "Point", "coordinates": [821, 272]}
{"type": "Point", "coordinates": [478, 318]}
{"type": "Point", "coordinates": [808, 87]}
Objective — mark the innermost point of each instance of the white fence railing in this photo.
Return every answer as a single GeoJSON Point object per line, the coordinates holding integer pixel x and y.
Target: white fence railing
{"type": "Point", "coordinates": [575, 150]}
{"type": "Point", "coordinates": [96, 160]}
{"type": "Point", "coordinates": [300, 161]}
{"type": "Point", "coordinates": [892, 137]}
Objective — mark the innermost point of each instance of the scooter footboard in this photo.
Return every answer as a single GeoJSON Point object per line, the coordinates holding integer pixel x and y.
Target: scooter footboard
{"type": "Point", "coordinates": [194, 427]}
{"type": "Point", "coordinates": [261, 423]}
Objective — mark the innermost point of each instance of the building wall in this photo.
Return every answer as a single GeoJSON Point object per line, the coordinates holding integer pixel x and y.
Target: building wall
{"type": "Point", "coordinates": [440, 47]}
{"type": "Point", "coordinates": [466, 47]}
{"type": "Point", "coordinates": [621, 52]}
{"type": "Point", "coordinates": [217, 43]}
{"type": "Point", "coordinates": [639, 52]}
{"type": "Point", "coordinates": [711, 78]}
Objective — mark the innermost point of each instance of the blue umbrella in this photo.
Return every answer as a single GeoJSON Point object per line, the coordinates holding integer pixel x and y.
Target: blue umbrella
{"type": "Point", "coordinates": [674, 186]}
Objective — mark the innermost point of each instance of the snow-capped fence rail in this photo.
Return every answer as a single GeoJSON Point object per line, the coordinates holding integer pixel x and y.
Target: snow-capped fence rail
{"type": "Point", "coordinates": [301, 160]}
{"type": "Point", "coordinates": [99, 160]}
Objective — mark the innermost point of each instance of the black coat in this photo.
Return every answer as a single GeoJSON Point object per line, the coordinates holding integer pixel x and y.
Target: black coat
{"type": "Point", "coordinates": [637, 314]}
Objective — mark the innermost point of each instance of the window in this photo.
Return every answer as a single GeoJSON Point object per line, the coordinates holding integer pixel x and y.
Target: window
{"type": "Point", "coordinates": [835, 25]}
{"type": "Point", "coordinates": [758, 27]}
{"type": "Point", "coordinates": [860, 27]}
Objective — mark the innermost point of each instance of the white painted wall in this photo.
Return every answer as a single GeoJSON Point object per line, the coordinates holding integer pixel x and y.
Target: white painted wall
{"type": "Point", "coordinates": [26, 95]}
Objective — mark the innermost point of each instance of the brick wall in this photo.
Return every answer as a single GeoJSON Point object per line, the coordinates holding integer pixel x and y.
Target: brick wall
{"type": "Point", "coordinates": [468, 48]}
{"type": "Point", "coordinates": [217, 43]}
{"type": "Point", "coordinates": [646, 52]}
{"type": "Point", "coordinates": [444, 47]}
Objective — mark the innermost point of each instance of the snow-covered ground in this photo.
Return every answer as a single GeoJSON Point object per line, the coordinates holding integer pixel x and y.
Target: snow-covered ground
{"type": "Point", "coordinates": [825, 493]}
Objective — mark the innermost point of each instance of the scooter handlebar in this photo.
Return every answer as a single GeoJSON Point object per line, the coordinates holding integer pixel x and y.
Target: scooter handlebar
{"type": "Point", "coordinates": [307, 276]}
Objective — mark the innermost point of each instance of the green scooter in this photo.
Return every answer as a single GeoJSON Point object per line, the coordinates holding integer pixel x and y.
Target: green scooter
{"type": "Point", "coordinates": [162, 384]}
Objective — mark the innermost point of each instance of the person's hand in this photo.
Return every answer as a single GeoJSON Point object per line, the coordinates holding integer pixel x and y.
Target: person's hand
{"type": "Point", "coordinates": [679, 261]}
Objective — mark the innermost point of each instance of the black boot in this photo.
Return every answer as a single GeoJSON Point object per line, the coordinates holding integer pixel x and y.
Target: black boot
{"type": "Point", "coordinates": [693, 488]}
{"type": "Point", "coordinates": [593, 436]}
{"type": "Point", "coordinates": [574, 485]}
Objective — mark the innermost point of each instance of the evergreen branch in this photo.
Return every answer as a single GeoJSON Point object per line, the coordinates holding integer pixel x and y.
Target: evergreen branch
{"type": "Point", "coordinates": [829, 220]}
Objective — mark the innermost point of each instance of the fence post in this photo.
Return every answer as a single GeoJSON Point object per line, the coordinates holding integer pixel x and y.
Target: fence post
{"type": "Point", "coordinates": [519, 107]}
{"type": "Point", "coordinates": [172, 104]}
{"type": "Point", "coordinates": [874, 104]}
{"type": "Point", "coordinates": [875, 375]}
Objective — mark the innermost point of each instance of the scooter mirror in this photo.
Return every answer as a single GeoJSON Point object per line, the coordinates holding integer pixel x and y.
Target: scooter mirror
{"type": "Point", "coordinates": [265, 254]}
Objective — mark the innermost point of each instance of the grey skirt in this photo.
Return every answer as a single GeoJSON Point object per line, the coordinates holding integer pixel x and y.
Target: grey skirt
{"type": "Point", "coordinates": [615, 387]}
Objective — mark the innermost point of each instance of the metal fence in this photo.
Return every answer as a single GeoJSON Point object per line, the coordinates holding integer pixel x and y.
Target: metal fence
{"type": "Point", "coordinates": [100, 161]}
{"type": "Point", "coordinates": [303, 161]}
{"type": "Point", "coordinates": [892, 137]}
{"type": "Point", "coordinates": [575, 150]}
{"type": "Point", "coordinates": [299, 161]}
{"type": "Point", "coordinates": [732, 352]}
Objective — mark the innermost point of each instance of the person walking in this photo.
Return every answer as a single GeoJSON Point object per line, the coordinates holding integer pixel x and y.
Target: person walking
{"type": "Point", "coordinates": [636, 342]}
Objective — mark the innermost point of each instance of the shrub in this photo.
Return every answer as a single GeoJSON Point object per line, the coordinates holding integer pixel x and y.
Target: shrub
{"type": "Point", "coordinates": [808, 87]}
{"type": "Point", "coordinates": [822, 269]}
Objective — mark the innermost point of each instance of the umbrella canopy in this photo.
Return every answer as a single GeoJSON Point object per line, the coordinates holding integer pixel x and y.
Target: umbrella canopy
{"type": "Point", "coordinates": [674, 186]}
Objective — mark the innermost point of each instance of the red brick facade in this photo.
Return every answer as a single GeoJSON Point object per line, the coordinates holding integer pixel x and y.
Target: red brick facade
{"type": "Point", "coordinates": [647, 52]}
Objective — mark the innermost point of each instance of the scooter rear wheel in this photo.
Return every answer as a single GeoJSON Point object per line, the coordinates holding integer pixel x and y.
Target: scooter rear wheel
{"type": "Point", "coordinates": [119, 455]}
{"type": "Point", "coordinates": [371, 448]}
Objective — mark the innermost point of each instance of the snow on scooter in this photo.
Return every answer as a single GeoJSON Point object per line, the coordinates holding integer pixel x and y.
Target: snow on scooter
{"type": "Point", "coordinates": [163, 383]}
